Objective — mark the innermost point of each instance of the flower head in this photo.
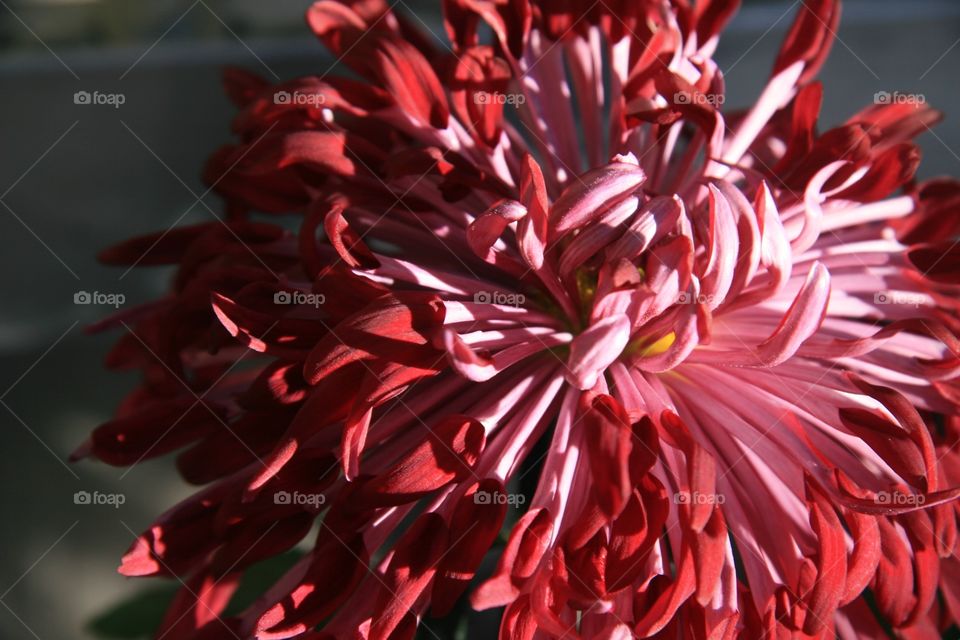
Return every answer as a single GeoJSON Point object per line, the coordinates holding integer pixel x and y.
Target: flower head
{"type": "Point", "coordinates": [720, 344]}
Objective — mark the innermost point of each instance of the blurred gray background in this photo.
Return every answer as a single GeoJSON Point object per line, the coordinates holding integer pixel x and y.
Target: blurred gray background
{"type": "Point", "coordinates": [76, 178]}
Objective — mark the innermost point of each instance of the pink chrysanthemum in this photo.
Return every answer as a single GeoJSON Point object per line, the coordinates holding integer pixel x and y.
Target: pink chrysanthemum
{"type": "Point", "coordinates": [723, 343]}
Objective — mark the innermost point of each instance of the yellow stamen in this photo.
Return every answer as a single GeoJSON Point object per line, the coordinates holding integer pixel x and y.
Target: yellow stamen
{"type": "Point", "coordinates": [644, 349]}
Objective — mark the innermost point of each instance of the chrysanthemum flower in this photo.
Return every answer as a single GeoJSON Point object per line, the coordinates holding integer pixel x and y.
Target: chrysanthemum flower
{"type": "Point", "coordinates": [721, 344]}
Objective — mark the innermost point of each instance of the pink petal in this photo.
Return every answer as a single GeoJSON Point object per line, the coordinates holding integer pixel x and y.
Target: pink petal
{"type": "Point", "coordinates": [595, 349]}
{"type": "Point", "coordinates": [802, 319]}
{"type": "Point", "coordinates": [586, 197]}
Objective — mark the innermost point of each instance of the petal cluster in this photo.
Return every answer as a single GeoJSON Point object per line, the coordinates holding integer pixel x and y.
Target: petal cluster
{"type": "Point", "coordinates": [532, 320]}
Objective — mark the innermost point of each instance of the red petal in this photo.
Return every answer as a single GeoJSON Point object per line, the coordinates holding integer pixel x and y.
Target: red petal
{"type": "Point", "coordinates": [518, 622]}
{"type": "Point", "coordinates": [411, 569]}
{"type": "Point", "coordinates": [242, 86]}
{"type": "Point", "coordinates": [347, 242]}
{"type": "Point", "coordinates": [321, 150]}
{"type": "Point", "coordinates": [890, 441]}
{"type": "Point", "coordinates": [317, 595]}
{"type": "Point", "coordinates": [486, 230]}
{"type": "Point", "coordinates": [939, 262]}
{"type": "Point", "coordinates": [831, 564]}
{"type": "Point", "coordinates": [474, 526]}
{"type": "Point", "coordinates": [528, 543]}
{"type": "Point", "coordinates": [155, 430]}
{"type": "Point", "coordinates": [661, 612]}
{"type": "Point", "coordinates": [609, 443]}
{"type": "Point", "coordinates": [810, 37]}
{"type": "Point", "coordinates": [893, 584]}
{"type": "Point", "coordinates": [889, 171]}
{"type": "Point", "coordinates": [533, 229]}
{"type": "Point", "coordinates": [635, 532]}
{"type": "Point", "coordinates": [701, 470]}
{"type": "Point", "coordinates": [806, 110]}
{"type": "Point", "coordinates": [397, 327]}
{"type": "Point", "coordinates": [449, 451]}
{"type": "Point", "coordinates": [478, 75]}
{"type": "Point", "coordinates": [179, 539]}
{"type": "Point", "coordinates": [198, 604]}
{"type": "Point", "coordinates": [509, 19]}
{"type": "Point", "coordinates": [170, 247]}
{"type": "Point", "coordinates": [259, 540]}
{"type": "Point", "coordinates": [709, 555]}
{"type": "Point", "coordinates": [865, 556]}
{"type": "Point", "coordinates": [409, 78]}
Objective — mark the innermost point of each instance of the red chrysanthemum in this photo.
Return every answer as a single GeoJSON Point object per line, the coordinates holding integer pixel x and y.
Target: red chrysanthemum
{"type": "Point", "coordinates": [723, 343]}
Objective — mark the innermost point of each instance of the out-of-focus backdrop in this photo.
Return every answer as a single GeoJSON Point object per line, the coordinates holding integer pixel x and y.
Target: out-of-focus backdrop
{"type": "Point", "coordinates": [76, 177]}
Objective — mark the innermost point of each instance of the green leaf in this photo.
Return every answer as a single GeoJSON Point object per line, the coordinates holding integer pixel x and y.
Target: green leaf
{"type": "Point", "coordinates": [136, 617]}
